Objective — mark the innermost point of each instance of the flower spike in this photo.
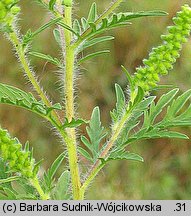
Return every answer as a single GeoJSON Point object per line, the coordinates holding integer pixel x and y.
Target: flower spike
{"type": "Point", "coordinates": [162, 58]}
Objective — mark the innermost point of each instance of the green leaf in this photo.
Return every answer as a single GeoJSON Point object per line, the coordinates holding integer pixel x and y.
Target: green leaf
{"type": "Point", "coordinates": [123, 155]}
{"type": "Point", "coordinates": [77, 27]}
{"type": "Point", "coordinates": [48, 58]}
{"type": "Point", "coordinates": [86, 142]}
{"type": "Point", "coordinates": [97, 26]}
{"type": "Point", "coordinates": [93, 55]}
{"type": "Point", "coordinates": [10, 179]}
{"type": "Point", "coordinates": [74, 123]}
{"type": "Point", "coordinates": [92, 13]}
{"type": "Point", "coordinates": [96, 134]}
{"type": "Point", "coordinates": [62, 24]}
{"type": "Point", "coordinates": [84, 23]}
{"type": "Point", "coordinates": [95, 41]}
{"type": "Point", "coordinates": [48, 178]}
{"type": "Point", "coordinates": [14, 96]}
{"type": "Point", "coordinates": [47, 25]}
{"type": "Point", "coordinates": [57, 36]}
{"type": "Point", "coordinates": [139, 97]}
{"type": "Point", "coordinates": [163, 101]}
{"type": "Point", "coordinates": [129, 78]}
{"type": "Point", "coordinates": [174, 118]}
{"type": "Point", "coordinates": [84, 153]}
{"type": "Point", "coordinates": [28, 37]}
{"type": "Point", "coordinates": [60, 192]}
{"type": "Point", "coordinates": [56, 164]}
{"type": "Point", "coordinates": [178, 104]}
{"type": "Point", "coordinates": [52, 4]}
{"type": "Point", "coordinates": [10, 194]}
{"type": "Point", "coordinates": [133, 121]}
{"type": "Point", "coordinates": [120, 104]}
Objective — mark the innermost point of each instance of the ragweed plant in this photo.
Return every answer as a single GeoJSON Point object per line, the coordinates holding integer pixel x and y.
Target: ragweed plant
{"type": "Point", "coordinates": [134, 117]}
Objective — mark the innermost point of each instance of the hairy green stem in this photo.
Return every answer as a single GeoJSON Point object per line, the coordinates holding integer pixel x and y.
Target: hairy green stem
{"type": "Point", "coordinates": [69, 105]}
{"type": "Point", "coordinates": [36, 185]}
{"type": "Point", "coordinates": [30, 74]}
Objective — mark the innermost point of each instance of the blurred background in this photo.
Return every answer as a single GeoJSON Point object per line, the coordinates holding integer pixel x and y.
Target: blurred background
{"type": "Point", "coordinates": [166, 172]}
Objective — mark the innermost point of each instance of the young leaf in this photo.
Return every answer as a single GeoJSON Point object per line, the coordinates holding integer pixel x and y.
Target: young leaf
{"type": "Point", "coordinates": [120, 104]}
{"type": "Point", "coordinates": [92, 13]}
{"type": "Point", "coordinates": [96, 133]}
{"type": "Point", "coordinates": [74, 123]}
{"type": "Point", "coordinates": [48, 179]}
{"type": "Point", "coordinates": [84, 23]}
{"type": "Point", "coordinates": [48, 58]}
{"type": "Point", "coordinates": [76, 27]}
{"type": "Point", "coordinates": [94, 41]}
{"type": "Point", "coordinates": [129, 78]}
{"type": "Point", "coordinates": [163, 101]}
{"type": "Point", "coordinates": [56, 164]}
{"type": "Point", "coordinates": [84, 153]}
{"type": "Point", "coordinates": [92, 55]}
{"type": "Point", "coordinates": [57, 36]}
{"type": "Point", "coordinates": [60, 192]}
{"type": "Point", "coordinates": [178, 104]}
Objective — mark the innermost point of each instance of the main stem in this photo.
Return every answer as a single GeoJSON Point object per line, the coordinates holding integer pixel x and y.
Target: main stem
{"type": "Point", "coordinates": [69, 105]}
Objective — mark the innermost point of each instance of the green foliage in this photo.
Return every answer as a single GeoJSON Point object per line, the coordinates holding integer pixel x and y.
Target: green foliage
{"type": "Point", "coordinates": [29, 36]}
{"type": "Point", "coordinates": [49, 176]}
{"type": "Point", "coordinates": [96, 134]}
{"type": "Point", "coordinates": [120, 105]}
{"type": "Point", "coordinates": [61, 190]}
{"type": "Point", "coordinates": [136, 116]}
{"type": "Point", "coordinates": [122, 155]}
{"type": "Point", "coordinates": [99, 25]}
{"type": "Point", "coordinates": [16, 97]}
{"type": "Point", "coordinates": [73, 124]}
{"type": "Point", "coordinates": [154, 128]}
{"type": "Point", "coordinates": [48, 58]}
{"type": "Point", "coordinates": [92, 55]}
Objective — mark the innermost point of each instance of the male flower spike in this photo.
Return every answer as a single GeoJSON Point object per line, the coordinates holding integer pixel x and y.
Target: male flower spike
{"type": "Point", "coordinates": [162, 58]}
{"type": "Point", "coordinates": [11, 151]}
{"type": "Point", "coordinates": [8, 9]}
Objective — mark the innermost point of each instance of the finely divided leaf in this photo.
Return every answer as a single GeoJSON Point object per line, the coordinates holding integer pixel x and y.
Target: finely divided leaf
{"type": "Point", "coordinates": [123, 155]}
{"type": "Point", "coordinates": [96, 134]}
{"type": "Point", "coordinates": [14, 96]}
{"type": "Point", "coordinates": [49, 175]}
{"type": "Point", "coordinates": [165, 99]}
{"type": "Point", "coordinates": [173, 118]}
{"type": "Point", "coordinates": [120, 104]}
